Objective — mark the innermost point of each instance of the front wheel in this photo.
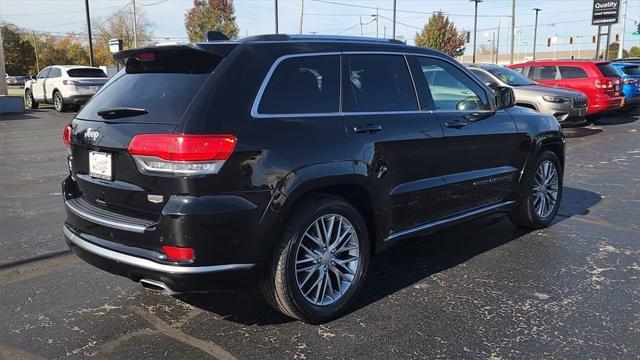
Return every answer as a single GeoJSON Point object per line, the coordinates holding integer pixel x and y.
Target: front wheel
{"type": "Point", "coordinates": [321, 261]}
{"type": "Point", "coordinates": [58, 102]}
{"type": "Point", "coordinates": [29, 101]}
{"type": "Point", "coordinates": [540, 193]}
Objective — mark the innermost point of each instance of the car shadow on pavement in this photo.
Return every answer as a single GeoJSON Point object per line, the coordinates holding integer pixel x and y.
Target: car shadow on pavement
{"type": "Point", "coordinates": [579, 132]}
{"type": "Point", "coordinates": [16, 116]}
{"type": "Point", "coordinates": [618, 119]}
{"type": "Point", "coordinates": [406, 264]}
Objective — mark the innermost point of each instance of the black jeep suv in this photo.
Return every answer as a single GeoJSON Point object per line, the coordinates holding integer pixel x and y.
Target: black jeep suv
{"type": "Point", "coordinates": [288, 161]}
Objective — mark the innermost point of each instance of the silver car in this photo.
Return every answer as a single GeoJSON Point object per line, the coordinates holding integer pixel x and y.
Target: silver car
{"type": "Point", "coordinates": [569, 107]}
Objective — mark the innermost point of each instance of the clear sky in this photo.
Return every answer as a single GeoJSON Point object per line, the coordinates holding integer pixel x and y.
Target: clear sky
{"type": "Point", "coordinates": [563, 17]}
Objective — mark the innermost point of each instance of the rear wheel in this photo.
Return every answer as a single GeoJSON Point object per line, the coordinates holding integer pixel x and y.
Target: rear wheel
{"type": "Point", "coordinates": [541, 193]}
{"type": "Point", "coordinates": [29, 101]}
{"type": "Point", "coordinates": [58, 102]}
{"type": "Point", "coordinates": [321, 261]}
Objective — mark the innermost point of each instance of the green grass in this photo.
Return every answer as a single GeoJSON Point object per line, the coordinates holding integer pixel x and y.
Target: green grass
{"type": "Point", "coordinates": [16, 91]}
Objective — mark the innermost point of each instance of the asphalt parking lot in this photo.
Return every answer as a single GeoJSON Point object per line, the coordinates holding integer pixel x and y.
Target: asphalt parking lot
{"type": "Point", "coordinates": [483, 290]}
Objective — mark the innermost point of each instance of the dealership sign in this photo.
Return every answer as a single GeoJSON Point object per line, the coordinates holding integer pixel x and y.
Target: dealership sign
{"type": "Point", "coordinates": [605, 12]}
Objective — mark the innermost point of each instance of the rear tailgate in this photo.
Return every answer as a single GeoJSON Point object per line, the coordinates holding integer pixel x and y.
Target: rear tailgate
{"type": "Point", "coordinates": [155, 89]}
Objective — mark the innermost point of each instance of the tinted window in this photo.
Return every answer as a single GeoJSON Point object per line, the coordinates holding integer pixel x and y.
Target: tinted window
{"type": "Point", "coordinates": [608, 70]}
{"type": "Point", "coordinates": [572, 72]}
{"type": "Point", "coordinates": [54, 73]}
{"type": "Point", "coordinates": [307, 84]}
{"type": "Point", "coordinates": [43, 74]}
{"type": "Point", "coordinates": [519, 70]}
{"type": "Point", "coordinates": [483, 76]}
{"type": "Point", "coordinates": [449, 87]}
{"type": "Point", "coordinates": [509, 76]}
{"type": "Point", "coordinates": [164, 86]}
{"type": "Point", "coordinates": [378, 83]}
{"type": "Point", "coordinates": [543, 72]}
{"type": "Point", "coordinates": [86, 73]}
{"type": "Point", "coordinates": [631, 70]}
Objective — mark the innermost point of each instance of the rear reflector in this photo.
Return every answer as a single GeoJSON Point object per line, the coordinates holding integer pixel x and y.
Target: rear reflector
{"type": "Point", "coordinates": [181, 154]}
{"type": "Point", "coordinates": [175, 253]}
{"type": "Point", "coordinates": [66, 135]}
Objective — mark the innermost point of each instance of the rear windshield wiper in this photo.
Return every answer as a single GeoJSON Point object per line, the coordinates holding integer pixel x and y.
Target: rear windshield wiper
{"type": "Point", "coordinates": [120, 112]}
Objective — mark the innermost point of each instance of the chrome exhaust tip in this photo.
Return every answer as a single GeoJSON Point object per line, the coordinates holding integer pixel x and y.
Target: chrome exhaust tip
{"type": "Point", "coordinates": [158, 286]}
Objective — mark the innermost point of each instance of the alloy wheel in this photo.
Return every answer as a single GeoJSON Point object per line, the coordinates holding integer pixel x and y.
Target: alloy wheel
{"type": "Point", "coordinates": [327, 259]}
{"type": "Point", "coordinates": [57, 102]}
{"type": "Point", "coordinates": [545, 189]}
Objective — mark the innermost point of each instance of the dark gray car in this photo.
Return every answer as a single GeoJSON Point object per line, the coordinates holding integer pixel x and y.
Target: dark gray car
{"type": "Point", "coordinates": [569, 107]}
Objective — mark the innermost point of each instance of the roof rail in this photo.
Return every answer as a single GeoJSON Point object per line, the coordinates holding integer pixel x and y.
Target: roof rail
{"type": "Point", "coordinates": [285, 37]}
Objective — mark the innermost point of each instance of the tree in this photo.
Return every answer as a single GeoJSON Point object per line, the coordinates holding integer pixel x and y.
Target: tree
{"type": "Point", "coordinates": [613, 51]}
{"type": "Point", "coordinates": [210, 15]}
{"type": "Point", "coordinates": [61, 50]}
{"type": "Point", "coordinates": [119, 25]}
{"type": "Point", "coordinates": [634, 51]}
{"type": "Point", "coordinates": [439, 33]}
{"type": "Point", "coordinates": [18, 52]}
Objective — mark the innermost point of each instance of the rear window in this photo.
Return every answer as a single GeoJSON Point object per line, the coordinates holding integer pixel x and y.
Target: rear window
{"type": "Point", "coordinates": [163, 84]}
{"type": "Point", "coordinates": [572, 72]}
{"type": "Point", "coordinates": [305, 84]}
{"type": "Point", "coordinates": [86, 73]}
{"type": "Point", "coordinates": [608, 70]}
{"type": "Point", "coordinates": [631, 70]}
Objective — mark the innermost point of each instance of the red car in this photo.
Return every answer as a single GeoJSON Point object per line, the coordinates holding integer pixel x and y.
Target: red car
{"type": "Point", "coordinates": [597, 79]}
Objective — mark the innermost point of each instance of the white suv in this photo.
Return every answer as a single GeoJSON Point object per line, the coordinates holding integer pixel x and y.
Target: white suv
{"type": "Point", "coordinates": [63, 86]}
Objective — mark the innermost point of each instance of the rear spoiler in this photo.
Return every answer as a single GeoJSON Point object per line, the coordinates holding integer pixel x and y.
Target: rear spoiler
{"type": "Point", "coordinates": [221, 49]}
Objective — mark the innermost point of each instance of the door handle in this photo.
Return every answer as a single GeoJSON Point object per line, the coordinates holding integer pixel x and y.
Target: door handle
{"type": "Point", "coordinates": [456, 124]}
{"type": "Point", "coordinates": [367, 128]}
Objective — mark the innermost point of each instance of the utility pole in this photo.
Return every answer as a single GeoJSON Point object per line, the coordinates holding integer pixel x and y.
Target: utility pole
{"type": "Point", "coordinates": [393, 32]}
{"type": "Point", "coordinates": [301, 15]}
{"type": "Point", "coordinates": [475, 28]}
{"type": "Point", "coordinates": [493, 44]}
{"type": "Point", "coordinates": [3, 81]}
{"type": "Point", "coordinates": [35, 48]}
{"type": "Point", "coordinates": [513, 27]}
{"type": "Point", "coordinates": [86, 9]}
{"type": "Point", "coordinates": [361, 33]}
{"type": "Point", "coordinates": [624, 28]}
{"type": "Point", "coordinates": [535, 33]}
{"type": "Point", "coordinates": [498, 44]}
{"type": "Point", "coordinates": [275, 2]}
{"type": "Point", "coordinates": [377, 22]}
{"type": "Point", "coordinates": [135, 25]}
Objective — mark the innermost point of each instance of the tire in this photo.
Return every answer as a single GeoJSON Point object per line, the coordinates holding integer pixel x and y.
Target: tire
{"type": "Point", "coordinates": [528, 212]}
{"type": "Point", "coordinates": [29, 101]}
{"type": "Point", "coordinates": [291, 289]}
{"type": "Point", "coordinates": [58, 102]}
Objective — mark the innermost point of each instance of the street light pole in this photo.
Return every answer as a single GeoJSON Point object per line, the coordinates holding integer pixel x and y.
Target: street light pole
{"type": "Point", "coordinates": [535, 33]}
{"type": "Point", "coordinates": [86, 9]}
{"type": "Point", "coordinates": [624, 28]}
{"type": "Point", "coordinates": [393, 32]}
{"type": "Point", "coordinates": [276, 13]}
{"type": "Point", "coordinates": [301, 16]}
{"type": "Point", "coordinates": [513, 27]}
{"type": "Point", "coordinates": [135, 25]}
{"type": "Point", "coordinates": [475, 28]}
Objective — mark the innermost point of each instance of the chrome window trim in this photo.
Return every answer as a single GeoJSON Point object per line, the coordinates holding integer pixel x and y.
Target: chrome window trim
{"type": "Point", "coordinates": [256, 102]}
{"type": "Point", "coordinates": [147, 264]}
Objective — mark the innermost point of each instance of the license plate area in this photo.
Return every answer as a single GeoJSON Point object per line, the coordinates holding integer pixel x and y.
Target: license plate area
{"type": "Point", "coordinates": [100, 165]}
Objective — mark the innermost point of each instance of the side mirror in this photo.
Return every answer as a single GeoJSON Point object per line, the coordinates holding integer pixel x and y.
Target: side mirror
{"type": "Point", "coordinates": [33, 77]}
{"type": "Point", "coordinates": [505, 98]}
{"type": "Point", "coordinates": [491, 85]}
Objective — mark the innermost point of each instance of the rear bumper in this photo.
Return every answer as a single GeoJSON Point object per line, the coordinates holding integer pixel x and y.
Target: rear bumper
{"type": "Point", "coordinates": [137, 264]}
{"type": "Point", "coordinates": [76, 99]}
{"type": "Point", "coordinates": [605, 103]}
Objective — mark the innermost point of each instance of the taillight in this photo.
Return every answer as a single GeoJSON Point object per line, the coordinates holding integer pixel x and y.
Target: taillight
{"type": "Point", "coordinates": [175, 253]}
{"type": "Point", "coordinates": [70, 82]}
{"type": "Point", "coordinates": [66, 135]}
{"type": "Point", "coordinates": [181, 154]}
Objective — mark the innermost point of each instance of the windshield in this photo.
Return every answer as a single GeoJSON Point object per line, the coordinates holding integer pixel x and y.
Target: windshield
{"type": "Point", "coordinates": [509, 76]}
{"type": "Point", "coordinates": [86, 73]}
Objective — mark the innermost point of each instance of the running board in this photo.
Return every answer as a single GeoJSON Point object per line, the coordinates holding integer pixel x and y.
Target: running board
{"type": "Point", "coordinates": [432, 226]}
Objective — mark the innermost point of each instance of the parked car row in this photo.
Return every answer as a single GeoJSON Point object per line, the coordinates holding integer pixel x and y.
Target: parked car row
{"type": "Point", "coordinates": [64, 86]}
{"type": "Point", "coordinates": [16, 80]}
